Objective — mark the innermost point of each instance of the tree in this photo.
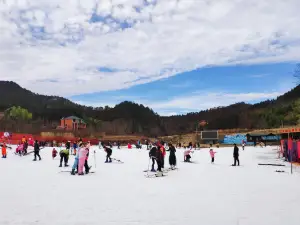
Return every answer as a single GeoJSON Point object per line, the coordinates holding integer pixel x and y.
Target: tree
{"type": "Point", "coordinates": [296, 111]}
{"type": "Point", "coordinates": [18, 113]}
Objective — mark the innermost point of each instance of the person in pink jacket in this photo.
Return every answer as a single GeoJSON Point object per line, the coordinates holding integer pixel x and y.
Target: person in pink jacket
{"type": "Point", "coordinates": [212, 155]}
{"type": "Point", "coordinates": [82, 154]}
{"type": "Point", "coordinates": [19, 149]}
{"type": "Point", "coordinates": [187, 156]}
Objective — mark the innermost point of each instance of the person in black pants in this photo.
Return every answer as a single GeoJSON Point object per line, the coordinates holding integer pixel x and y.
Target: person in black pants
{"type": "Point", "coordinates": [172, 157]}
{"type": "Point", "coordinates": [68, 146]}
{"type": "Point", "coordinates": [64, 156]}
{"type": "Point", "coordinates": [25, 147]}
{"type": "Point", "coordinates": [159, 159]}
{"type": "Point", "coordinates": [236, 155]}
{"type": "Point", "coordinates": [36, 150]}
{"type": "Point", "coordinates": [152, 155]}
{"type": "Point", "coordinates": [86, 166]}
{"type": "Point", "coordinates": [108, 154]}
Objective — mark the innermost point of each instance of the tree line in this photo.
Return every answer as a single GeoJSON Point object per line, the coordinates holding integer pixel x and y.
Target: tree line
{"type": "Point", "coordinates": [35, 111]}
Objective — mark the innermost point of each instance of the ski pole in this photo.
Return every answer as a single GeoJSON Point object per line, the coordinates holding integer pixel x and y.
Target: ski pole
{"type": "Point", "coordinates": [95, 158]}
{"type": "Point", "coordinates": [148, 166]}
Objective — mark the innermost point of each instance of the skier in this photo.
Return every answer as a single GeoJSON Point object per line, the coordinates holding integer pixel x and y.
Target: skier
{"type": "Point", "coordinates": [187, 156]}
{"type": "Point", "coordinates": [159, 160]}
{"type": "Point", "coordinates": [36, 150]}
{"type": "Point", "coordinates": [243, 145]}
{"type": "Point", "coordinates": [20, 149]}
{"type": "Point", "coordinates": [25, 147]}
{"type": "Point", "coordinates": [163, 151]}
{"type": "Point", "coordinates": [81, 159]}
{"type": "Point", "coordinates": [152, 155]}
{"type": "Point", "coordinates": [212, 155]}
{"type": "Point", "coordinates": [74, 148]}
{"type": "Point", "coordinates": [64, 156]}
{"type": "Point", "coordinates": [172, 156]}
{"type": "Point", "coordinates": [86, 166]}
{"type": "Point", "coordinates": [4, 153]}
{"type": "Point", "coordinates": [236, 155]}
{"type": "Point", "coordinates": [108, 154]}
{"type": "Point", "coordinates": [118, 144]}
{"type": "Point", "coordinates": [68, 146]}
{"type": "Point", "coordinates": [75, 165]}
{"type": "Point", "coordinates": [54, 153]}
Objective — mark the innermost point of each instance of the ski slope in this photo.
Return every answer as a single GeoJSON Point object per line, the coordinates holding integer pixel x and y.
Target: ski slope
{"type": "Point", "coordinates": [197, 193]}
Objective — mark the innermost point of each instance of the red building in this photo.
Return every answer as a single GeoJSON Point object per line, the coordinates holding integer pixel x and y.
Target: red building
{"type": "Point", "coordinates": [72, 123]}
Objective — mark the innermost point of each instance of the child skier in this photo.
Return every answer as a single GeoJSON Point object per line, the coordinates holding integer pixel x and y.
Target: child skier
{"type": "Point", "coordinates": [81, 159]}
{"type": "Point", "coordinates": [20, 148]}
{"type": "Point", "coordinates": [54, 153]}
{"type": "Point", "coordinates": [187, 156]}
{"type": "Point", "coordinates": [108, 154]}
{"type": "Point", "coordinates": [212, 155]}
{"type": "Point", "coordinates": [4, 151]}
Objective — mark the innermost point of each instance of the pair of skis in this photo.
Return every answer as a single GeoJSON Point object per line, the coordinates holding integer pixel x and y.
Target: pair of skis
{"type": "Point", "coordinates": [152, 174]}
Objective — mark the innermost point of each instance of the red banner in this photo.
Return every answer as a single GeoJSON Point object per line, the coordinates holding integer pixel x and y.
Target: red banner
{"type": "Point", "coordinates": [298, 148]}
{"type": "Point", "coordinates": [290, 144]}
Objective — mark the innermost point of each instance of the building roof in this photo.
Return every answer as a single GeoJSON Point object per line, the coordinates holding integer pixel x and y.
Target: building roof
{"type": "Point", "coordinates": [260, 134]}
{"type": "Point", "coordinates": [73, 118]}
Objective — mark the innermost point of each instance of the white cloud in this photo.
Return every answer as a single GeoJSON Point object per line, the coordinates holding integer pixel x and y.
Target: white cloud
{"type": "Point", "coordinates": [194, 102]}
{"type": "Point", "coordinates": [48, 40]}
{"type": "Point", "coordinates": [198, 102]}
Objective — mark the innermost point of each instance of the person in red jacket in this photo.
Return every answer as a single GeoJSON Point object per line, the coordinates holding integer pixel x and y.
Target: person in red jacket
{"type": "Point", "coordinates": [163, 151]}
{"type": "Point", "coordinates": [4, 151]}
{"type": "Point", "coordinates": [54, 153]}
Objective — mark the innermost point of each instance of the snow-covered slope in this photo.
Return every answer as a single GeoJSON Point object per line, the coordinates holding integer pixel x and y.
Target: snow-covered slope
{"type": "Point", "coordinates": [197, 193]}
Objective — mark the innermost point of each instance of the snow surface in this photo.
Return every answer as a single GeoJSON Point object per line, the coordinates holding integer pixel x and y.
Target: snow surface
{"type": "Point", "coordinates": [198, 193]}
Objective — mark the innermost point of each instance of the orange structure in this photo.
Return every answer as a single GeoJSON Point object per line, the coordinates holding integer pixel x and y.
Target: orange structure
{"type": "Point", "coordinates": [72, 123]}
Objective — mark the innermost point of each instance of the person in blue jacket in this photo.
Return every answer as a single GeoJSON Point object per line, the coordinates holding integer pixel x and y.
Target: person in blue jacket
{"type": "Point", "coordinates": [75, 165]}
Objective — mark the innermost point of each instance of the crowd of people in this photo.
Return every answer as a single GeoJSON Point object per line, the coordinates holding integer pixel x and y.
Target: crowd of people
{"type": "Point", "coordinates": [81, 150]}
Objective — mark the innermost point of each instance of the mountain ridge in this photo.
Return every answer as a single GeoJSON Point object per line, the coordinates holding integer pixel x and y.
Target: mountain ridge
{"type": "Point", "coordinates": [139, 119]}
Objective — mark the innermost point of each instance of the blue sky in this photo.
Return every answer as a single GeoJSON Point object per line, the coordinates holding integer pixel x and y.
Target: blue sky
{"type": "Point", "coordinates": [175, 56]}
{"type": "Point", "coordinates": [216, 86]}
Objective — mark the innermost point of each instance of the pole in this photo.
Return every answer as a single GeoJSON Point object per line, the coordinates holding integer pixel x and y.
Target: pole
{"type": "Point", "coordinates": [95, 158]}
{"type": "Point", "coordinates": [291, 154]}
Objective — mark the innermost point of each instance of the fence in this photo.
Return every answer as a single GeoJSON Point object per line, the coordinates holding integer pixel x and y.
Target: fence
{"type": "Point", "coordinates": [16, 138]}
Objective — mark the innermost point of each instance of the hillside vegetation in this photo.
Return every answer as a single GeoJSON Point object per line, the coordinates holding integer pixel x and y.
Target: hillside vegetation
{"type": "Point", "coordinates": [131, 118]}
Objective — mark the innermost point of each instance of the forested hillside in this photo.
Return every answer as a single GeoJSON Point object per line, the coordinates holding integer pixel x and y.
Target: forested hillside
{"type": "Point", "coordinates": [131, 118]}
